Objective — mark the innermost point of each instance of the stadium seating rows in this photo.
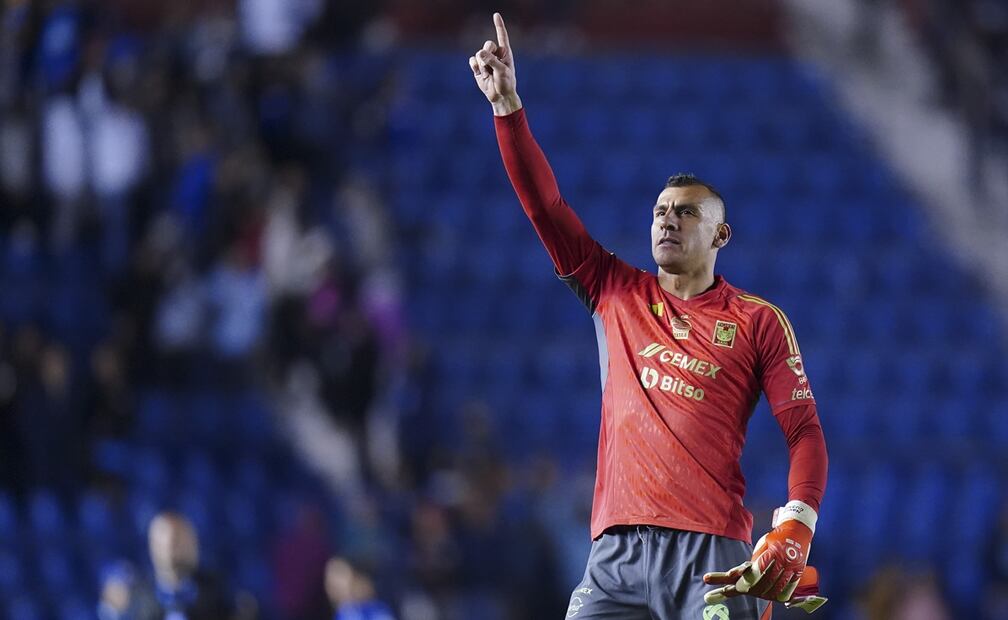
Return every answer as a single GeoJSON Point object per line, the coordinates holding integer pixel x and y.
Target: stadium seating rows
{"type": "Point", "coordinates": [906, 377]}
{"type": "Point", "coordinates": [239, 490]}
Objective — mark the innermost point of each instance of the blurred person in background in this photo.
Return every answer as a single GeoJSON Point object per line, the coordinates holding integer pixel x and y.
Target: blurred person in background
{"type": "Point", "coordinates": [49, 416]}
{"type": "Point", "coordinates": [352, 592]}
{"type": "Point", "coordinates": [896, 594]}
{"type": "Point", "coordinates": [181, 589]}
{"type": "Point", "coordinates": [299, 558]}
{"type": "Point", "coordinates": [996, 596]}
{"type": "Point", "coordinates": [117, 583]}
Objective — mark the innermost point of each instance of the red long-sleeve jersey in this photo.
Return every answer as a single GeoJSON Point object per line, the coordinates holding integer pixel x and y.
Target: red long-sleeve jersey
{"type": "Point", "coordinates": [680, 378]}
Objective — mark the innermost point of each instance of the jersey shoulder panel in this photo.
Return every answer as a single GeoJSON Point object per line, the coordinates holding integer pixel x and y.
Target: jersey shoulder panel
{"type": "Point", "coordinates": [767, 318]}
{"type": "Point", "coordinates": [780, 366]}
{"type": "Point", "coordinates": [600, 275]}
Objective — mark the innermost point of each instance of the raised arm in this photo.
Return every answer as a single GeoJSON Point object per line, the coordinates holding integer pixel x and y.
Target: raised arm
{"type": "Point", "coordinates": [563, 234]}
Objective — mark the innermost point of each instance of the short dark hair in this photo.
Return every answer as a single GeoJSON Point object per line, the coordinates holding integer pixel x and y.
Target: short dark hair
{"type": "Point", "coordinates": [684, 179]}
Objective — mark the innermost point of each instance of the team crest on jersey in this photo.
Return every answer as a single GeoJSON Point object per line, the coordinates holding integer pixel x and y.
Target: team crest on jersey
{"type": "Point", "coordinates": [724, 334]}
{"type": "Point", "coordinates": [681, 327]}
{"type": "Point", "coordinates": [795, 364]}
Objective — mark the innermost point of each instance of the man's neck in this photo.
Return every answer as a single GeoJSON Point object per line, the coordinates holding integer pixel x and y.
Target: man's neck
{"type": "Point", "coordinates": [686, 285]}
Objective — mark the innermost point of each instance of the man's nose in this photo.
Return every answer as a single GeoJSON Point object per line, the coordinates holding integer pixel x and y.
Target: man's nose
{"type": "Point", "coordinates": [669, 222]}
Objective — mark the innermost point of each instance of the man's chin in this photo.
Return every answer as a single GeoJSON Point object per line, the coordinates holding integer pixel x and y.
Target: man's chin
{"type": "Point", "coordinates": [670, 266]}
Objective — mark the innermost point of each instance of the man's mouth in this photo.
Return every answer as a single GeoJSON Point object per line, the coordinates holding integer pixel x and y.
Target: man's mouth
{"type": "Point", "coordinates": [669, 241]}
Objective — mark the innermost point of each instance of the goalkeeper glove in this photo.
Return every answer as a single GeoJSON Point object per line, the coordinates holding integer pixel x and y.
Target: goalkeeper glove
{"type": "Point", "coordinates": [777, 570]}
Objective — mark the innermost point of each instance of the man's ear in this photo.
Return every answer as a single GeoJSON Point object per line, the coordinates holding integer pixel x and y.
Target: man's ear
{"type": "Point", "coordinates": [722, 236]}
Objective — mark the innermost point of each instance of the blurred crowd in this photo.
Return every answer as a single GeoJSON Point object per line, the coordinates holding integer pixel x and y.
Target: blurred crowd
{"type": "Point", "coordinates": [193, 196]}
{"type": "Point", "coordinates": [967, 43]}
{"type": "Point", "coordinates": [180, 209]}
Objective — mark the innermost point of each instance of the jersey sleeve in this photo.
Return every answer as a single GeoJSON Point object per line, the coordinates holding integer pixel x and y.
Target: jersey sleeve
{"type": "Point", "coordinates": [806, 453]}
{"type": "Point", "coordinates": [782, 373]}
{"type": "Point", "coordinates": [580, 261]}
{"type": "Point", "coordinates": [783, 380]}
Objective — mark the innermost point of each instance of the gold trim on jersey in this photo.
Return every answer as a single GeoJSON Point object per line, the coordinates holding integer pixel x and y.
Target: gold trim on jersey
{"type": "Point", "coordinates": [789, 334]}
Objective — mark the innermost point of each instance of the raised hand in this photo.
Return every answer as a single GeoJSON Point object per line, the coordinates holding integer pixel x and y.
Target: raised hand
{"type": "Point", "coordinates": [493, 69]}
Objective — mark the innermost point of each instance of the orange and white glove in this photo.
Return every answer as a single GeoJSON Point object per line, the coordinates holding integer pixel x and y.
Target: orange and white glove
{"type": "Point", "coordinates": [777, 570]}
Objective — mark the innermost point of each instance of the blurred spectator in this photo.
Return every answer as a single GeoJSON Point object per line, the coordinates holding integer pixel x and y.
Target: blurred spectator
{"type": "Point", "coordinates": [181, 589]}
{"type": "Point", "coordinates": [273, 27]}
{"type": "Point", "coordinates": [236, 296]}
{"type": "Point", "coordinates": [893, 594]}
{"type": "Point", "coordinates": [180, 321]}
{"type": "Point", "coordinates": [436, 554]}
{"type": "Point", "coordinates": [352, 593]}
{"type": "Point", "coordinates": [17, 167]}
{"type": "Point", "coordinates": [299, 559]}
{"type": "Point", "coordinates": [109, 404]}
{"type": "Point", "coordinates": [11, 476]}
{"type": "Point", "coordinates": [49, 418]}
{"type": "Point", "coordinates": [996, 564]}
{"type": "Point", "coordinates": [968, 44]}
{"type": "Point", "coordinates": [294, 257]}
{"type": "Point", "coordinates": [117, 583]}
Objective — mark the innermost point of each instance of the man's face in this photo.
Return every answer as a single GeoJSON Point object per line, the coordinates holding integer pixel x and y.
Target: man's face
{"type": "Point", "coordinates": [339, 577]}
{"type": "Point", "coordinates": [173, 546]}
{"type": "Point", "coordinates": [687, 228]}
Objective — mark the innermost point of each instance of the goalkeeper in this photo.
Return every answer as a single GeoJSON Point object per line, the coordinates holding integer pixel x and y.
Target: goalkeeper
{"type": "Point", "coordinates": [684, 356]}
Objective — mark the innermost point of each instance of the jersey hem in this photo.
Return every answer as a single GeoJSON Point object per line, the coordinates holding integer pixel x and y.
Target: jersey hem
{"type": "Point", "coordinates": [674, 524]}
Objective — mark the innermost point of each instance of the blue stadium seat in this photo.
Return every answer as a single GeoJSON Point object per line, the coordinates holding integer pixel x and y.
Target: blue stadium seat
{"type": "Point", "coordinates": [254, 575]}
{"type": "Point", "coordinates": [594, 126]}
{"type": "Point", "coordinates": [199, 472]}
{"type": "Point", "coordinates": [206, 416]}
{"type": "Point", "coordinates": [56, 572]}
{"type": "Point", "coordinates": [964, 579]}
{"type": "Point", "coordinates": [251, 476]}
{"type": "Point", "coordinates": [878, 495]}
{"type": "Point", "coordinates": [156, 416]}
{"type": "Point", "coordinates": [150, 470]}
{"type": "Point", "coordinates": [112, 456]}
{"type": "Point", "coordinates": [975, 509]}
{"type": "Point", "coordinates": [254, 420]}
{"type": "Point", "coordinates": [641, 127]}
{"type": "Point", "coordinates": [925, 496]}
{"type": "Point", "coordinates": [12, 577]}
{"type": "Point", "coordinates": [202, 509]}
{"type": "Point", "coordinates": [23, 607]}
{"type": "Point", "coordinates": [241, 517]}
{"type": "Point", "coordinates": [735, 130]}
{"type": "Point", "coordinates": [76, 609]}
{"type": "Point", "coordinates": [835, 513]}
{"type": "Point", "coordinates": [142, 506]}
{"type": "Point", "coordinates": [9, 521]}
{"type": "Point", "coordinates": [20, 271]}
{"type": "Point", "coordinates": [46, 516]}
{"type": "Point", "coordinates": [96, 518]}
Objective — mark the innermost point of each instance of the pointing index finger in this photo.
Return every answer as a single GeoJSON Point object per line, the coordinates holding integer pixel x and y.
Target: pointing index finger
{"type": "Point", "coordinates": [502, 35]}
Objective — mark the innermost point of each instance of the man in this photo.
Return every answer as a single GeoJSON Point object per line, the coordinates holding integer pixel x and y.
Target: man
{"type": "Point", "coordinates": [684, 356]}
{"type": "Point", "coordinates": [352, 593]}
{"type": "Point", "coordinates": [181, 591]}
{"type": "Point", "coordinates": [117, 581]}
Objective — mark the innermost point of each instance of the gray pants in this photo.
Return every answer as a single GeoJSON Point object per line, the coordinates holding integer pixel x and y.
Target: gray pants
{"type": "Point", "coordinates": [655, 573]}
